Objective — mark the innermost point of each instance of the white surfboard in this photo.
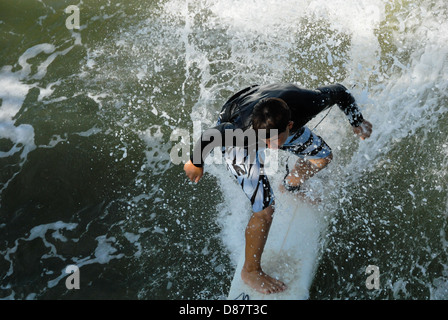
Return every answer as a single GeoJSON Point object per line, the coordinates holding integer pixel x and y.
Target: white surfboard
{"type": "Point", "coordinates": [291, 251]}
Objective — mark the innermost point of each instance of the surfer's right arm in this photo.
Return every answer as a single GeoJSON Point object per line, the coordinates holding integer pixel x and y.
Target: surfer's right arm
{"type": "Point", "coordinates": [210, 138]}
{"type": "Point", "coordinates": [193, 173]}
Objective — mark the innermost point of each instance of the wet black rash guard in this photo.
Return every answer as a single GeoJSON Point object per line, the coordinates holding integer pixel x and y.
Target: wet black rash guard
{"type": "Point", "coordinates": [304, 104]}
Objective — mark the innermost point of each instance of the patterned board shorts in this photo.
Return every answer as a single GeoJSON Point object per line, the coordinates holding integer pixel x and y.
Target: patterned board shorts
{"type": "Point", "coordinates": [255, 184]}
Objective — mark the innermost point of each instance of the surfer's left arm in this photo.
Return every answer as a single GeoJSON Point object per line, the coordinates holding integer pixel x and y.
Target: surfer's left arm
{"type": "Point", "coordinates": [340, 95]}
{"type": "Point", "coordinates": [364, 130]}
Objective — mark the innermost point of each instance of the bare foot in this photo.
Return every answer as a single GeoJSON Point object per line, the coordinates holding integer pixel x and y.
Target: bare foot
{"type": "Point", "coordinates": [261, 282]}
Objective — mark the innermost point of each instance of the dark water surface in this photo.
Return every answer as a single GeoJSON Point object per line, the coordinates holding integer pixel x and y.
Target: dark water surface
{"type": "Point", "coordinates": [86, 123]}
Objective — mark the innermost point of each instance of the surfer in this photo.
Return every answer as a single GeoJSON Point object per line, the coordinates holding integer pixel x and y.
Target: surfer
{"type": "Point", "coordinates": [272, 116]}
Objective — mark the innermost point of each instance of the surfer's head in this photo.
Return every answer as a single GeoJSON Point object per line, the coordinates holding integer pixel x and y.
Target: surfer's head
{"type": "Point", "coordinates": [271, 120]}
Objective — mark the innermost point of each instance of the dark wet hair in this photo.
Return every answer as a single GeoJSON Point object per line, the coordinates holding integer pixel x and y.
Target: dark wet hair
{"type": "Point", "coordinates": [271, 113]}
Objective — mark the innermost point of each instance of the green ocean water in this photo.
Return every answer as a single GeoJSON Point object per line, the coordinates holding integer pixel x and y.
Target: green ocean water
{"type": "Point", "coordinates": [86, 123]}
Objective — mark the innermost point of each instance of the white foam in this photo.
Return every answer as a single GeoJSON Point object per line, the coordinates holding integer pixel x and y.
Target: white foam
{"type": "Point", "coordinates": [55, 140]}
{"type": "Point", "coordinates": [39, 232]}
{"type": "Point", "coordinates": [133, 238]}
{"type": "Point", "coordinates": [158, 152]}
{"type": "Point", "coordinates": [14, 87]}
{"type": "Point", "coordinates": [92, 131]}
{"type": "Point", "coordinates": [410, 99]}
{"type": "Point", "coordinates": [31, 53]}
{"type": "Point", "coordinates": [22, 137]}
{"type": "Point", "coordinates": [12, 95]}
{"type": "Point", "coordinates": [48, 90]}
{"type": "Point", "coordinates": [103, 254]}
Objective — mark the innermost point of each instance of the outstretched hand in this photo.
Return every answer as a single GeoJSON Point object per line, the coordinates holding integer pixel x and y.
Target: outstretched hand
{"type": "Point", "coordinates": [364, 130]}
{"type": "Point", "coordinates": [193, 173]}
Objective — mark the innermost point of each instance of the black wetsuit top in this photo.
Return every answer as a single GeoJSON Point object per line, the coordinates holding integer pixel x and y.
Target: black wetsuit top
{"type": "Point", "coordinates": [304, 104]}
